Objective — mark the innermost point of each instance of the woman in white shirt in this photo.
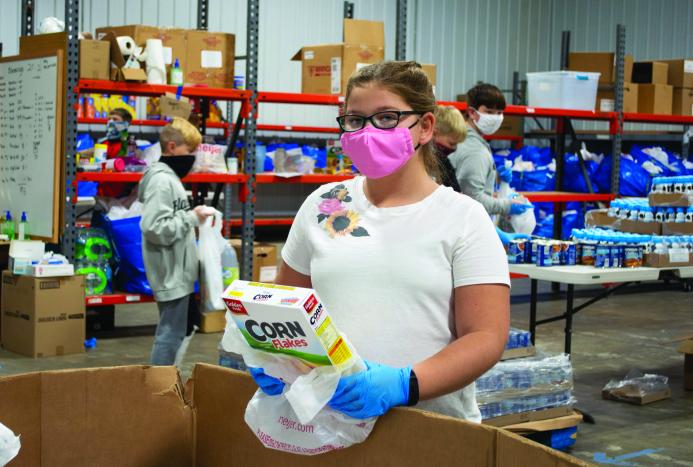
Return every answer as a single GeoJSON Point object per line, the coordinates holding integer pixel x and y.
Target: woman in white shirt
{"type": "Point", "coordinates": [412, 272]}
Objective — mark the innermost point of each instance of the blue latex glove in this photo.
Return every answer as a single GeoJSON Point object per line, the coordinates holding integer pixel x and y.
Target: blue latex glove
{"type": "Point", "coordinates": [269, 384]}
{"type": "Point", "coordinates": [372, 392]}
{"type": "Point", "coordinates": [505, 174]}
{"type": "Point", "coordinates": [516, 208]}
{"type": "Point", "coordinates": [507, 237]}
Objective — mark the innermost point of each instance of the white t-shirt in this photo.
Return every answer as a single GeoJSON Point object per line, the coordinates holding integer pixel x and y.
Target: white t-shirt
{"type": "Point", "coordinates": [387, 275]}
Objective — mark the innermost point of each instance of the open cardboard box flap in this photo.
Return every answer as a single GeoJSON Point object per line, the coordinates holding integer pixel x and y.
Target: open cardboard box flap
{"type": "Point", "coordinates": [144, 416]}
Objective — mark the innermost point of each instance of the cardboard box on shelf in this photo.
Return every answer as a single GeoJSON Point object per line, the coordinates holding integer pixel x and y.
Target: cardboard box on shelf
{"type": "Point", "coordinates": [94, 55]}
{"type": "Point", "coordinates": [680, 72]}
{"type": "Point", "coordinates": [264, 260]}
{"type": "Point", "coordinates": [606, 102]}
{"type": "Point", "coordinates": [682, 102]}
{"type": "Point", "coordinates": [430, 70]}
{"type": "Point", "coordinates": [119, 72]}
{"type": "Point", "coordinates": [531, 416]}
{"type": "Point", "coordinates": [43, 317]}
{"type": "Point", "coordinates": [601, 62]}
{"type": "Point", "coordinates": [511, 126]}
{"type": "Point", "coordinates": [150, 418]}
{"type": "Point", "coordinates": [670, 199]}
{"type": "Point", "coordinates": [325, 69]}
{"type": "Point", "coordinates": [655, 98]}
{"type": "Point", "coordinates": [173, 39]}
{"type": "Point", "coordinates": [650, 72]}
{"type": "Point", "coordinates": [209, 59]}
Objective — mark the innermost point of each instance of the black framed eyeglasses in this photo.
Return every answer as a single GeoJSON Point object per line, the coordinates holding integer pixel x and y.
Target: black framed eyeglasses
{"type": "Point", "coordinates": [382, 120]}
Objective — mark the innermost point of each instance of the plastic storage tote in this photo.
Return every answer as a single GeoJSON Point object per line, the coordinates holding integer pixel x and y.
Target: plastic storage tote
{"type": "Point", "coordinates": [574, 90]}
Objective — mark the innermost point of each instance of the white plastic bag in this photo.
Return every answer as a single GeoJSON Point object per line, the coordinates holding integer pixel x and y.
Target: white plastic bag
{"type": "Point", "coordinates": [210, 248]}
{"type": "Point", "coordinates": [299, 420]}
{"type": "Point", "coordinates": [9, 445]}
{"type": "Point", "coordinates": [524, 223]}
{"type": "Point", "coordinates": [209, 158]}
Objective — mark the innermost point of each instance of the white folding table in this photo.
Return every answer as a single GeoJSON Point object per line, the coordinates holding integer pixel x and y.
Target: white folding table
{"type": "Point", "coordinates": [583, 275]}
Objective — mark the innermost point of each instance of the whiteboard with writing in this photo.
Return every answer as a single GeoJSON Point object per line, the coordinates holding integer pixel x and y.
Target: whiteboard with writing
{"type": "Point", "coordinates": [29, 103]}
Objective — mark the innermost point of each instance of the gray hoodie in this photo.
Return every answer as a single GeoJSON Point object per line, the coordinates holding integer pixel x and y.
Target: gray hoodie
{"type": "Point", "coordinates": [168, 234]}
{"type": "Point", "coordinates": [476, 172]}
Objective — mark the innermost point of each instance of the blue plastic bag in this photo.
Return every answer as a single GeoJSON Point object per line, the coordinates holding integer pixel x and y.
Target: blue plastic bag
{"type": "Point", "coordinates": [87, 188]}
{"type": "Point", "coordinates": [573, 179]}
{"type": "Point", "coordinates": [126, 238]}
{"type": "Point", "coordinates": [633, 179]}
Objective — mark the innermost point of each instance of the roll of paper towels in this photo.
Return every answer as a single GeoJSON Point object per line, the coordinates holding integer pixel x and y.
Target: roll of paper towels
{"type": "Point", "coordinates": [156, 69]}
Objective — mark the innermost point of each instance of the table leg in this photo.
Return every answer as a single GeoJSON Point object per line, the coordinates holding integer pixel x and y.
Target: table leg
{"type": "Point", "coordinates": [533, 310]}
{"type": "Point", "coordinates": [569, 318]}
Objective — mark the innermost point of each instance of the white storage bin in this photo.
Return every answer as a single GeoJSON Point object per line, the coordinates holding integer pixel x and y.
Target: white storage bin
{"type": "Point", "coordinates": [575, 90]}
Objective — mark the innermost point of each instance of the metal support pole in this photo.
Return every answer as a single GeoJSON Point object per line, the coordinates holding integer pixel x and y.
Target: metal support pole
{"type": "Point", "coordinates": [565, 49]}
{"type": "Point", "coordinates": [516, 88]}
{"type": "Point", "coordinates": [401, 39]}
{"type": "Point", "coordinates": [569, 318]}
{"type": "Point", "coordinates": [248, 229]}
{"type": "Point", "coordinates": [72, 78]}
{"type": "Point", "coordinates": [617, 140]}
{"type": "Point", "coordinates": [202, 14]}
{"type": "Point", "coordinates": [28, 17]}
{"type": "Point", "coordinates": [348, 10]}
{"type": "Point", "coordinates": [533, 310]}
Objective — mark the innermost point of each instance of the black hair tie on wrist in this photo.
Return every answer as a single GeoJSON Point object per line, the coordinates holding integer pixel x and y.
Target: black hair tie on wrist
{"type": "Point", "coordinates": [413, 389]}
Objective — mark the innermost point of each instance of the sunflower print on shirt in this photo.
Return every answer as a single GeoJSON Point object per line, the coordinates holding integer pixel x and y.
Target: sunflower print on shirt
{"type": "Point", "coordinates": [336, 218]}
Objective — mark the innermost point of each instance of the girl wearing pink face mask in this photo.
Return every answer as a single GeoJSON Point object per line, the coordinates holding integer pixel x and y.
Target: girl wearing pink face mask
{"type": "Point", "coordinates": [412, 272]}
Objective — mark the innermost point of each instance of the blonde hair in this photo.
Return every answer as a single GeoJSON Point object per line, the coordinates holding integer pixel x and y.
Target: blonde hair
{"type": "Point", "coordinates": [450, 122]}
{"type": "Point", "coordinates": [407, 80]}
{"type": "Point", "coordinates": [180, 131]}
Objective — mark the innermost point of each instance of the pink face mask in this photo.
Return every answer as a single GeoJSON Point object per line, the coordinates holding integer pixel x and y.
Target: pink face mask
{"type": "Point", "coordinates": [378, 153]}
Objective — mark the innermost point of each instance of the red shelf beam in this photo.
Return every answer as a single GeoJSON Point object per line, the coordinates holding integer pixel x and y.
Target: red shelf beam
{"type": "Point", "coordinates": [103, 121]}
{"type": "Point", "coordinates": [128, 177]}
{"type": "Point", "coordinates": [307, 179]}
{"type": "Point", "coordinates": [86, 86]}
{"type": "Point", "coordinates": [654, 118]}
{"type": "Point", "coordinates": [297, 98]}
{"type": "Point", "coordinates": [525, 111]}
{"type": "Point", "coordinates": [117, 299]}
{"type": "Point", "coordinates": [564, 197]}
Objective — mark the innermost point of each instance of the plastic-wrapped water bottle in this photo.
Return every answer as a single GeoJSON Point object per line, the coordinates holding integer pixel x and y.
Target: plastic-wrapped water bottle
{"type": "Point", "coordinates": [680, 215]}
{"type": "Point", "coordinates": [671, 215]}
{"type": "Point", "coordinates": [634, 213]}
{"type": "Point", "coordinates": [689, 214]}
{"type": "Point", "coordinates": [229, 265]}
{"type": "Point", "coordinates": [679, 184]}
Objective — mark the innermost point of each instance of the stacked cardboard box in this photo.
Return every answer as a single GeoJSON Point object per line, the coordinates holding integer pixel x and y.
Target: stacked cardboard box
{"type": "Point", "coordinates": [654, 95]}
{"type": "Point", "coordinates": [604, 63]}
{"type": "Point", "coordinates": [680, 76]}
{"type": "Point", "coordinates": [94, 56]}
{"type": "Point", "coordinates": [326, 68]}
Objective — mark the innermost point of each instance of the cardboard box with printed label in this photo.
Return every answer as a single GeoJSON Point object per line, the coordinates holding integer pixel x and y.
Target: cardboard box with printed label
{"type": "Point", "coordinates": [606, 102]}
{"type": "Point", "coordinates": [670, 199]}
{"type": "Point", "coordinates": [682, 102]}
{"type": "Point", "coordinates": [94, 56]}
{"type": "Point", "coordinates": [655, 98]}
{"type": "Point", "coordinates": [145, 416]}
{"type": "Point", "coordinates": [601, 62]}
{"type": "Point", "coordinates": [325, 69]}
{"type": "Point", "coordinates": [209, 59]}
{"type": "Point", "coordinates": [601, 218]}
{"type": "Point", "coordinates": [43, 317]}
{"type": "Point", "coordinates": [650, 72]}
{"type": "Point", "coordinates": [264, 260]}
{"type": "Point", "coordinates": [674, 258]}
{"type": "Point", "coordinates": [680, 73]}
{"type": "Point", "coordinates": [23, 253]}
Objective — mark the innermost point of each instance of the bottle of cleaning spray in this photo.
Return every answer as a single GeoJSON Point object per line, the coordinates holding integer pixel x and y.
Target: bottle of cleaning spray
{"type": "Point", "coordinates": [8, 225]}
{"type": "Point", "coordinates": [23, 228]}
{"type": "Point", "coordinates": [176, 75]}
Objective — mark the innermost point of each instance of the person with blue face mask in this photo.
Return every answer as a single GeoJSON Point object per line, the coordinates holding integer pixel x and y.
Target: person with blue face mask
{"type": "Point", "coordinates": [472, 160]}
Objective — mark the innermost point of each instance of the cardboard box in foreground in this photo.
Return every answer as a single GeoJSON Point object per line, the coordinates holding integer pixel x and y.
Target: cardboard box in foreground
{"type": "Point", "coordinates": [144, 416]}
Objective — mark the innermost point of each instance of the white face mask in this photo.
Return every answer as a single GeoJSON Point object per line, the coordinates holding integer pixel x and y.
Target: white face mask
{"type": "Point", "coordinates": [488, 124]}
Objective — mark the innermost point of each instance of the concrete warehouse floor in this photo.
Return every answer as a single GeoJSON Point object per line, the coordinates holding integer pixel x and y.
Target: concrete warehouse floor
{"type": "Point", "coordinates": [625, 331]}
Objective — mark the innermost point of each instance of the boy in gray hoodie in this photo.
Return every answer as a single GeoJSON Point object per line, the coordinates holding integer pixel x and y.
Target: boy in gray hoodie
{"type": "Point", "coordinates": [168, 237]}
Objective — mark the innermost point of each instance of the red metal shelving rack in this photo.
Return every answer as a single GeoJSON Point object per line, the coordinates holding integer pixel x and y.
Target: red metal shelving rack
{"type": "Point", "coordinates": [128, 177]}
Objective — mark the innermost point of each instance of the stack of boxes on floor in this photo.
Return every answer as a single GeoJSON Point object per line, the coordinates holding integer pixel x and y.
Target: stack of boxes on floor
{"type": "Point", "coordinates": [526, 394]}
{"type": "Point", "coordinates": [42, 306]}
{"type": "Point", "coordinates": [650, 87]}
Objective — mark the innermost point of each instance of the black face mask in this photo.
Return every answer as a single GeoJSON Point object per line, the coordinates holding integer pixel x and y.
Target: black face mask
{"type": "Point", "coordinates": [444, 150]}
{"type": "Point", "coordinates": [181, 165]}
